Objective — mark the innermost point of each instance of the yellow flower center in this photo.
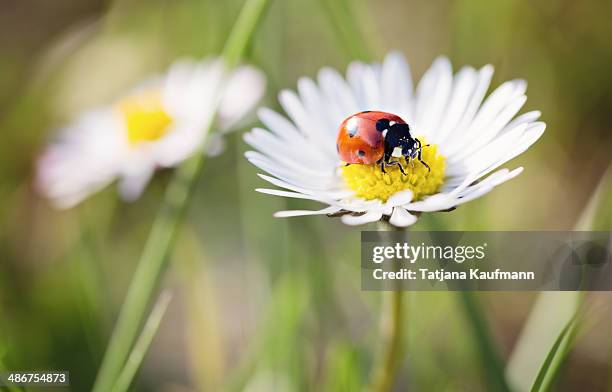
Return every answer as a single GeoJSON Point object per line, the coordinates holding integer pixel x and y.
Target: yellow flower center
{"type": "Point", "coordinates": [145, 117]}
{"type": "Point", "coordinates": [369, 182]}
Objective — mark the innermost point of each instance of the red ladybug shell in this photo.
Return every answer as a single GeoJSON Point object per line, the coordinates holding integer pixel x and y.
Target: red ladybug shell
{"type": "Point", "coordinates": [358, 139]}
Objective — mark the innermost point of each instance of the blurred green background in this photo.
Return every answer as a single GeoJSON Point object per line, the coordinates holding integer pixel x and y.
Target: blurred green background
{"type": "Point", "coordinates": [259, 303]}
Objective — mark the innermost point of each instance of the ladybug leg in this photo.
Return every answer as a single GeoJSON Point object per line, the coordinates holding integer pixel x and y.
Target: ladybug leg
{"type": "Point", "coordinates": [401, 167]}
{"type": "Point", "coordinates": [419, 153]}
{"type": "Point", "coordinates": [382, 164]}
{"type": "Point", "coordinates": [399, 164]}
{"type": "Point", "coordinates": [346, 164]}
{"type": "Point", "coordinates": [423, 162]}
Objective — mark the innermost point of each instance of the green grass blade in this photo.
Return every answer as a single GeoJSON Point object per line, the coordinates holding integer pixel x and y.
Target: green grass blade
{"type": "Point", "coordinates": [548, 318]}
{"type": "Point", "coordinates": [143, 343]}
{"type": "Point", "coordinates": [240, 36]}
{"type": "Point", "coordinates": [489, 355]}
{"type": "Point", "coordinates": [557, 354]}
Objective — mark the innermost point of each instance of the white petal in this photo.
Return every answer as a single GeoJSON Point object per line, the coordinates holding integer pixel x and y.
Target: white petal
{"type": "Point", "coordinates": [533, 132]}
{"type": "Point", "coordinates": [243, 89]}
{"type": "Point", "coordinates": [402, 218]}
{"type": "Point", "coordinates": [191, 89]}
{"type": "Point", "coordinates": [524, 118]}
{"type": "Point", "coordinates": [354, 220]}
{"type": "Point", "coordinates": [292, 213]}
{"type": "Point", "coordinates": [332, 193]}
{"type": "Point", "coordinates": [490, 130]}
{"type": "Point", "coordinates": [500, 106]}
{"type": "Point", "coordinates": [301, 177]}
{"type": "Point", "coordinates": [437, 202]}
{"type": "Point", "coordinates": [181, 141]}
{"type": "Point", "coordinates": [322, 122]}
{"type": "Point", "coordinates": [279, 125]}
{"type": "Point", "coordinates": [87, 156]}
{"type": "Point", "coordinates": [287, 153]}
{"type": "Point", "coordinates": [501, 150]}
{"type": "Point", "coordinates": [360, 205]}
{"type": "Point", "coordinates": [296, 110]}
{"type": "Point", "coordinates": [177, 79]}
{"type": "Point", "coordinates": [292, 195]}
{"type": "Point", "coordinates": [400, 198]}
{"type": "Point", "coordinates": [131, 186]}
{"type": "Point", "coordinates": [474, 195]}
{"type": "Point", "coordinates": [354, 76]}
{"type": "Point", "coordinates": [494, 179]}
{"type": "Point", "coordinates": [444, 201]}
{"type": "Point", "coordinates": [370, 89]}
{"type": "Point", "coordinates": [432, 95]}
{"type": "Point", "coordinates": [215, 145]}
{"type": "Point", "coordinates": [476, 97]}
{"type": "Point", "coordinates": [339, 97]}
{"type": "Point", "coordinates": [396, 85]}
{"type": "Point", "coordinates": [463, 85]}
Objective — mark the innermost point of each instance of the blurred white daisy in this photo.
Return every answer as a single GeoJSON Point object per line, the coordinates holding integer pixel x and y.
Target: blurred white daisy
{"type": "Point", "coordinates": [159, 124]}
{"type": "Point", "coordinates": [468, 136]}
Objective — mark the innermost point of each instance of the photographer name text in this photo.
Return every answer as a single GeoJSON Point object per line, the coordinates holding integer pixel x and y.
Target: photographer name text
{"type": "Point", "coordinates": [454, 255]}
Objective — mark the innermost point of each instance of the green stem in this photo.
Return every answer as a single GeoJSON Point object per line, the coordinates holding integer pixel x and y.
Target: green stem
{"type": "Point", "coordinates": [392, 325]}
{"type": "Point", "coordinates": [386, 368]}
{"type": "Point", "coordinates": [556, 356]}
{"type": "Point", "coordinates": [243, 29]}
{"type": "Point", "coordinates": [487, 350]}
{"type": "Point", "coordinates": [142, 344]}
{"type": "Point", "coordinates": [163, 234]}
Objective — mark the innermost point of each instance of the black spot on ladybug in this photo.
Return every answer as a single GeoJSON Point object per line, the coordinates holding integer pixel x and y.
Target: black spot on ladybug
{"type": "Point", "coordinates": [352, 132]}
{"type": "Point", "coordinates": [361, 153]}
{"type": "Point", "coordinates": [382, 124]}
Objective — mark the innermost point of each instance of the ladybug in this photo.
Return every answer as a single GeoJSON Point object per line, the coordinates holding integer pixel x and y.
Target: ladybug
{"type": "Point", "coordinates": [376, 137]}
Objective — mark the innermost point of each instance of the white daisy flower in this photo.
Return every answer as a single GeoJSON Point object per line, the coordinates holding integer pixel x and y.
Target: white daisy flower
{"type": "Point", "coordinates": [468, 136]}
{"type": "Point", "coordinates": [159, 124]}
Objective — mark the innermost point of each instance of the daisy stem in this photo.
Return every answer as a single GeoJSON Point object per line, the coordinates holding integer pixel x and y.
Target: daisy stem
{"type": "Point", "coordinates": [142, 344]}
{"type": "Point", "coordinates": [157, 249]}
{"type": "Point", "coordinates": [240, 36]}
{"type": "Point", "coordinates": [392, 324]}
{"type": "Point", "coordinates": [386, 367]}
